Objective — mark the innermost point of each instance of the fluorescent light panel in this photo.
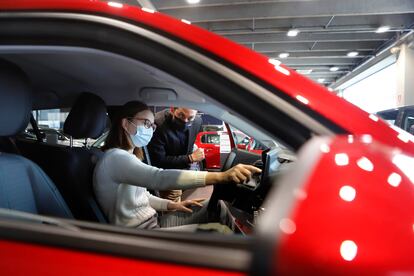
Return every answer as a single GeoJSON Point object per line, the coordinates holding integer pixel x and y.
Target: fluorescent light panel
{"type": "Point", "coordinates": [352, 54]}
{"type": "Point", "coordinates": [293, 32]}
{"type": "Point", "coordinates": [382, 29]}
{"type": "Point", "coordinates": [283, 55]}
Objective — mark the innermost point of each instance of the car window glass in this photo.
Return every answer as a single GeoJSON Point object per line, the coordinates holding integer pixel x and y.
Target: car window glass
{"type": "Point", "coordinates": [244, 141]}
{"type": "Point", "coordinates": [409, 120]}
{"type": "Point", "coordinates": [50, 123]}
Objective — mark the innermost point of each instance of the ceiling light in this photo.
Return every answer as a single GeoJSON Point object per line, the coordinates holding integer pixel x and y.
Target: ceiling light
{"type": "Point", "coordinates": [321, 80]}
{"type": "Point", "coordinates": [293, 32]}
{"type": "Point", "coordinates": [382, 29]}
{"type": "Point", "coordinates": [352, 54]}
{"type": "Point", "coordinates": [193, 1]}
{"type": "Point", "coordinates": [334, 69]}
{"type": "Point", "coordinates": [304, 71]}
{"type": "Point", "coordinates": [283, 55]}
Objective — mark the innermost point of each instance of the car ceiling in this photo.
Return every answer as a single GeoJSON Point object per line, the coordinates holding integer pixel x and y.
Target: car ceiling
{"type": "Point", "coordinates": [329, 29]}
{"type": "Point", "coordinates": [59, 74]}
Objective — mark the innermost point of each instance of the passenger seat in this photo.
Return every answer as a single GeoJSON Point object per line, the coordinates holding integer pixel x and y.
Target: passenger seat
{"type": "Point", "coordinates": [23, 185]}
{"type": "Point", "coordinates": [72, 167]}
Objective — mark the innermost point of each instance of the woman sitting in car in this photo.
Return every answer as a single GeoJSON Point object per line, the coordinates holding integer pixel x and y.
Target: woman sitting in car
{"type": "Point", "coordinates": [121, 179]}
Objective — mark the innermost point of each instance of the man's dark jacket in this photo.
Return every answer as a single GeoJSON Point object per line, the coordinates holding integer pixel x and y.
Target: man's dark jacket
{"type": "Point", "coordinates": [165, 147]}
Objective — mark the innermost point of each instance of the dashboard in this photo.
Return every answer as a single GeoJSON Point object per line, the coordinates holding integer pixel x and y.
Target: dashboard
{"type": "Point", "coordinates": [272, 163]}
{"type": "Point", "coordinates": [244, 201]}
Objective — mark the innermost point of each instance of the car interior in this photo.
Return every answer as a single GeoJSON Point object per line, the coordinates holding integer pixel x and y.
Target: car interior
{"type": "Point", "coordinates": [92, 84]}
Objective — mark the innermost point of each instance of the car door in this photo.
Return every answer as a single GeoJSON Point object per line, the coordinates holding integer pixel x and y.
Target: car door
{"type": "Point", "coordinates": [130, 34]}
{"type": "Point", "coordinates": [210, 142]}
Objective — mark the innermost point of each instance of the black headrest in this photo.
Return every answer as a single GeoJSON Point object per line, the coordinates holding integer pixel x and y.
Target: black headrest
{"type": "Point", "coordinates": [87, 118]}
{"type": "Point", "coordinates": [15, 99]}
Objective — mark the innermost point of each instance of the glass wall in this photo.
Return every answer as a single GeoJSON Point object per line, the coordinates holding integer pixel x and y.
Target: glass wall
{"type": "Point", "coordinates": [376, 92]}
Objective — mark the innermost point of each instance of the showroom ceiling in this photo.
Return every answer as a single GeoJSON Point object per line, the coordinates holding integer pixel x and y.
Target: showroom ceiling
{"type": "Point", "coordinates": [327, 31]}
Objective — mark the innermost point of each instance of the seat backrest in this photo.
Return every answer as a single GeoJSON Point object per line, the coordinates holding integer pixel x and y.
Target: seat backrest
{"type": "Point", "coordinates": [23, 185]}
{"type": "Point", "coordinates": [71, 168]}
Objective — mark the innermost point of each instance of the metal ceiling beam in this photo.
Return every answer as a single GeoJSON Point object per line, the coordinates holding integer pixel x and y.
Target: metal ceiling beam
{"type": "Point", "coordinates": [323, 46]}
{"type": "Point", "coordinates": [247, 10]}
{"type": "Point", "coordinates": [309, 37]}
{"type": "Point", "coordinates": [317, 61]}
{"type": "Point", "coordinates": [347, 23]}
{"type": "Point", "coordinates": [318, 30]}
{"type": "Point", "coordinates": [326, 74]}
{"type": "Point", "coordinates": [319, 54]}
{"type": "Point", "coordinates": [321, 68]}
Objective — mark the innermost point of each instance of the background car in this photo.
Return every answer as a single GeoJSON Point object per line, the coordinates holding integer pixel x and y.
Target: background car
{"type": "Point", "coordinates": [210, 141]}
{"type": "Point", "coordinates": [402, 117]}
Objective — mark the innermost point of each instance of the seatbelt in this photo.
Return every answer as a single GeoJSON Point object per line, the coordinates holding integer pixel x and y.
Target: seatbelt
{"type": "Point", "coordinates": [15, 148]}
{"type": "Point", "coordinates": [35, 128]}
{"type": "Point", "coordinates": [148, 162]}
{"type": "Point", "coordinates": [146, 154]}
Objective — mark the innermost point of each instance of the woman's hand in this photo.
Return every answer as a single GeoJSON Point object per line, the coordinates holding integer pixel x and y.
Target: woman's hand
{"type": "Point", "coordinates": [240, 173]}
{"type": "Point", "coordinates": [182, 206]}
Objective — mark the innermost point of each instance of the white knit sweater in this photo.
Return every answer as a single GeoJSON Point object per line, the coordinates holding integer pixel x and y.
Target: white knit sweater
{"type": "Point", "coordinates": [121, 180]}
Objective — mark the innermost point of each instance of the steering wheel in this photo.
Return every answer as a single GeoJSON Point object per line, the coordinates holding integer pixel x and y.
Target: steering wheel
{"type": "Point", "coordinates": [228, 163]}
{"type": "Point", "coordinates": [221, 189]}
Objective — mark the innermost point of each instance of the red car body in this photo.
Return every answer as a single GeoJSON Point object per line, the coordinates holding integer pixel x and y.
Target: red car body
{"type": "Point", "coordinates": [350, 203]}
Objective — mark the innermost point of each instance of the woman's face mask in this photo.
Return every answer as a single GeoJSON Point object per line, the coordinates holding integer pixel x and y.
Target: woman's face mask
{"type": "Point", "coordinates": [143, 135]}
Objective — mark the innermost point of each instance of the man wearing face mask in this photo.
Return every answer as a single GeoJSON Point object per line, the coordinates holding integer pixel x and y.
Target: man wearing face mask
{"type": "Point", "coordinates": [172, 146]}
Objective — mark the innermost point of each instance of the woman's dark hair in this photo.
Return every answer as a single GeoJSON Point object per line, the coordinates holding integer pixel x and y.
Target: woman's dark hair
{"type": "Point", "coordinates": [117, 136]}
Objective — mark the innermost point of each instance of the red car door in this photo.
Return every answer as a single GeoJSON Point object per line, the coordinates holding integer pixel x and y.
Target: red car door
{"type": "Point", "coordinates": [210, 142]}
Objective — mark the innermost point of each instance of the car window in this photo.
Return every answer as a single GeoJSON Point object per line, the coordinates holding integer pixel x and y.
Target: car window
{"type": "Point", "coordinates": [50, 123]}
{"type": "Point", "coordinates": [408, 120]}
{"type": "Point", "coordinates": [210, 139]}
{"type": "Point", "coordinates": [244, 141]}
{"type": "Point", "coordinates": [389, 115]}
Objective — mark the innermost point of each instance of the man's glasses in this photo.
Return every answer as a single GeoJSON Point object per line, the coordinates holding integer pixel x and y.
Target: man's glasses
{"type": "Point", "coordinates": [147, 123]}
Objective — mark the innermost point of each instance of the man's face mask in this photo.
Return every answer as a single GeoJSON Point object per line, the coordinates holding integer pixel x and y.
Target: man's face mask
{"type": "Point", "coordinates": [180, 124]}
{"type": "Point", "coordinates": [179, 121]}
